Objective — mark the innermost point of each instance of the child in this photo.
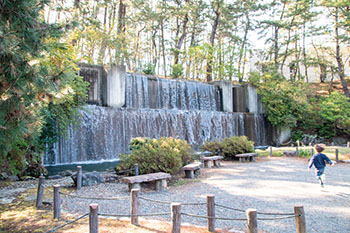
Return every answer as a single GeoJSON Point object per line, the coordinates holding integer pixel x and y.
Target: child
{"type": "Point", "coordinates": [319, 161]}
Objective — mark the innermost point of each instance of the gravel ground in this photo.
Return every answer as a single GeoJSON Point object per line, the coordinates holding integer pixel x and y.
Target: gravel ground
{"type": "Point", "coordinates": [268, 185]}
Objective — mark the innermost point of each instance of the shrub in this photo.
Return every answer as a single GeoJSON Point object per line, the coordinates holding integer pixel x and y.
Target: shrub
{"type": "Point", "coordinates": [177, 71]}
{"type": "Point", "coordinates": [230, 146]}
{"type": "Point", "coordinates": [212, 146]}
{"type": "Point", "coordinates": [304, 153]}
{"type": "Point", "coordinates": [236, 145]}
{"type": "Point", "coordinates": [156, 155]}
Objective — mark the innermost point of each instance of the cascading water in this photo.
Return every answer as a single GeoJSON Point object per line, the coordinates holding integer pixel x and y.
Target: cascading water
{"type": "Point", "coordinates": [154, 108]}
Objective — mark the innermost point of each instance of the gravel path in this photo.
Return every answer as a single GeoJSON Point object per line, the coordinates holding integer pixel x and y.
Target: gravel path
{"type": "Point", "coordinates": [269, 185]}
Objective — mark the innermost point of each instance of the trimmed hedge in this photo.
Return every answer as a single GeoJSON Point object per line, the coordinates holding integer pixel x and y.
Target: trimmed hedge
{"type": "Point", "coordinates": [229, 146]}
{"type": "Point", "coordinates": [156, 155]}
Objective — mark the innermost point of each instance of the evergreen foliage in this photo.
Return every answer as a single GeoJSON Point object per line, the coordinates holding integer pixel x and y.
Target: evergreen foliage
{"type": "Point", "coordinates": [38, 84]}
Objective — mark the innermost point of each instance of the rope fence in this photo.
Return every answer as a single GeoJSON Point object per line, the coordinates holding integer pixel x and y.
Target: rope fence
{"type": "Point", "coordinates": [251, 214]}
{"type": "Point", "coordinates": [67, 223]}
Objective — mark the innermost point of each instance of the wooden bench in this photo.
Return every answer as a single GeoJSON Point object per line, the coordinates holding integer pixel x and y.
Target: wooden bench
{"type": "Point", "coordinates": [159, 177]}
{"type": "Point", "coordinates": [214, 159]}
{"type": "Point", "coordinates": [191, 169]}
{"type": "Point", "coordinates": [246, 156]}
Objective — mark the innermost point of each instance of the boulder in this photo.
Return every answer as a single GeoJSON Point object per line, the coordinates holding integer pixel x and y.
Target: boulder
{"type": "Point", "coordinates": [289, 153]}
{"type": "Point", "coordinates": [3, 176]}
{"type": "Point", "coordinates": [54, 177]}
{"type": "Point", "coordinates": [13, 178]}
{"type": "Point", "coordinates": [89, 179]}
{"type": "Point", "coordinates": [66, 173]}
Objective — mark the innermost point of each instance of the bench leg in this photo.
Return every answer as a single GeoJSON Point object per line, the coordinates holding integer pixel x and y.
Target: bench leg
{"type": "Point", "coordinates": [241, 159]}
{"type": "Point", "coordinates": [189, 174]}
{"type": "Point", "coordinates": [161, 185]}
{"type": "Point", "coordinates": [216, 163]}
{"type": "Point", "coordinates": [134, 186]}
{"type": "Point", "coordinates": [252, 159]}
{"type": "Point", "coordinates": [197, 172]}
{"type": "Point", "coordinates": [207, 164]}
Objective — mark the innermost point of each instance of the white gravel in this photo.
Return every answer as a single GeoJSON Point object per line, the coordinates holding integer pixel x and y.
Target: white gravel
{"type": "Point", "coordinates": [268, 185]}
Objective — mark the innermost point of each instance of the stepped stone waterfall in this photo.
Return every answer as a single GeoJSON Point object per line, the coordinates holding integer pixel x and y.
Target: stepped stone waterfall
{"type": "Point", "coordinates": [134, 105]}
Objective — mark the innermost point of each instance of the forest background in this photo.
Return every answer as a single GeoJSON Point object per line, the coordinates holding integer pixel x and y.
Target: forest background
{"type": "Point", "coordinates": [42, 41]}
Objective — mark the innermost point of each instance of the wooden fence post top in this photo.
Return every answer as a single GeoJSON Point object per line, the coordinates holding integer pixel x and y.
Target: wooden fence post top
{"type": "Point", "coordinates": [210, 195]}
{"type": "Point", "coordinates": [56, 186]}
{"type": "Point", "coordinates": [135, 190]}
{"type": "Point", "coordinates": [175, 204]}
{"type": "Point", "coordinates": [250, 210]}
{"type": "Point", "coordinates": [93, 206]}
{"type": "Point", "coordinates": [78, 167]}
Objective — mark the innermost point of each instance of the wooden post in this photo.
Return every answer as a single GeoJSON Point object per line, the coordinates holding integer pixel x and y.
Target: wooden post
{"type": "Point", "coordinates": [297, 151]}
{"type": "Point", "coordinates": [270, 151]}
{"type": "Point", "coordinates": [348, 145]}
{"type": "Point", "coordinates": [300, 219]}
{"type": "Point", "coordinates": [40, 194]}
{"type": "Point", "coordinates": [79, 177]}
{"type": "Point", "coordinates": [312, 152]}
{"type": "Point", "coordinates": [337, 155]}
{"type": "Point", "coordinates": [175, 217]}
{"type": "Point", "coordinates": [252, 223]}
{"type": "Point", "coordinates": [211, 212]}
{"type": "Point", "coordinates": [135, 206]}
{"type": "Point", "coordinates": [136, 167]}
{"type": "Point", "coordinates": [93, 218]}
{"type": "Point", "coordinates": [298, 143]}
{"type": "Point", "coordinates": [56, 201]}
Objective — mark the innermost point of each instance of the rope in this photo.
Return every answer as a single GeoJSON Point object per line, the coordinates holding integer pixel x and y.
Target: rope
{"type": "Point", "coordinates": [230, 208]}
{"type": "Point", "coordinates": [161, 202]}
{"type": "Point", "coordinates": [95, 198]}
{"type": "Point", "coordinates": [70, 222]}
{"type": "Point", "coordinates": [135, 215]}
{"type": "Point", "coordinates": [166, 202]}
{"type": "Point", "coordinates": [263, 213]}
{"type": "Point", "coordinates": [277, 218]}
{"type": "Point", "coordinates": [275, 213]}
{"type": "Point", "coordinates": [210, 217]}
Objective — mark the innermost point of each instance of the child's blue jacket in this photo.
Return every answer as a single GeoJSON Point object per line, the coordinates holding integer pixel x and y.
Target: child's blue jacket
{"type": "Point", "coordinates": [319, 161]}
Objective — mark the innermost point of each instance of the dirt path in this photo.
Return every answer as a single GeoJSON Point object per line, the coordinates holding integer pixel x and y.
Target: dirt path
{"type": "Point", "coordinates": [269, 185]}
{"type": "Point", "coordinates": [276, 185]}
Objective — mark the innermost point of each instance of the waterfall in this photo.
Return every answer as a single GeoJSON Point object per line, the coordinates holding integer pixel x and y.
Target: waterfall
{"type": "Point", "coordinates": [143, 92]}
{"type": "Point", "coordinates": [157, 108]}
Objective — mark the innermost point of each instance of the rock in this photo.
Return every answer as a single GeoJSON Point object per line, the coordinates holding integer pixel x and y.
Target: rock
{"type": "Point", "coordinates": [66, 173]}
{"type": "Point", "coordinates": [54, 177]}
{"type": "Point", "coordinates": [89, 179]}
{"type": "Point", "coordinates": [13, 178]}
{"type": "Point", "coordinates": [3, 176]}
{"type": "Point", "coordinates": [289, 153]}
{"type": "Point", "coordinates": [27, 178]}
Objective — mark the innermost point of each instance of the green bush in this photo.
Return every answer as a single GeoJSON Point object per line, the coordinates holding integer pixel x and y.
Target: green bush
{"type": "Point", "coordinates": [212, 146]}
{"type": "Point", "coordinates": [149, 69]}
{"type": "Point", "coordinates": [177, 71]}
{"type": "Point", "coordinates": [156, 155]}
{"type": "Point", "coordinates": [304, 153]}
{"type": "Point", "coordinates": [230, 146]}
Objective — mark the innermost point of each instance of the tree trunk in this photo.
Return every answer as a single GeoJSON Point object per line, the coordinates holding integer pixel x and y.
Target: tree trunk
{"type": "Point", "coordinates": [339, 60]}
{"type": "Point", "coordinates": [212, 39]}
{"type": "Point", "coordinates": [242, 50]}
{"type": "Point", "coordinates": [163, 46]}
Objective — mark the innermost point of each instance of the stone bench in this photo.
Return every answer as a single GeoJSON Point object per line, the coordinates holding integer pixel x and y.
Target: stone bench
{"type": "Point", "coordinates": [212, 159]}
{"type": "Point", "coordinates": [160, 178]}
{"type": "Point", "coordinates": [246, 156]}
{"type": "Point", "coordinates": [192, 169]}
